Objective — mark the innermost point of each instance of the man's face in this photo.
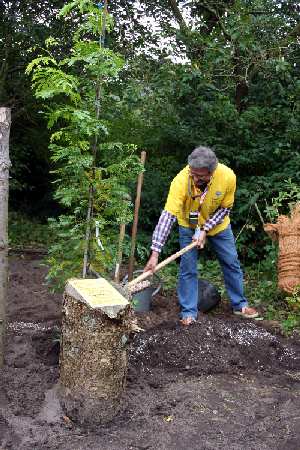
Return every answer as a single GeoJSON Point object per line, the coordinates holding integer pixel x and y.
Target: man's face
{"type": "Point", "coordinates": [200, 176]}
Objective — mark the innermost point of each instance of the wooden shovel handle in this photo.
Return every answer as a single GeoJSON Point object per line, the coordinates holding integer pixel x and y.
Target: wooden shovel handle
{"type": "Point", "coordinates": [162, 264]}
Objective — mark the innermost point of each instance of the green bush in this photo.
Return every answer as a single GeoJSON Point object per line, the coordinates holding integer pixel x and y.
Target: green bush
{"type": "Point", "coordinates": [27, 232]}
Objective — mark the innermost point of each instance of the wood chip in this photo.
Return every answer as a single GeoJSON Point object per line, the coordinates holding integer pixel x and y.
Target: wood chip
{"type": "Point", "coordinates": [139, 286]}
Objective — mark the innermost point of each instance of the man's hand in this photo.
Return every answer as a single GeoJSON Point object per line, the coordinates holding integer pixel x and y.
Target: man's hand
{"type": "Point", "coordinates": [200, 237]}
{"type": "Point", "coordinates": [152, 262]}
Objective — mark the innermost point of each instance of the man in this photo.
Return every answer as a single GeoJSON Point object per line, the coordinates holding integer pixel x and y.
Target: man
{"type": "Point", "coordinates": [200, 199]}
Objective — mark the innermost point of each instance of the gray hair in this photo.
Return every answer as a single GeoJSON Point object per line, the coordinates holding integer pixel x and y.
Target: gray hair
{"type": "Point", "coordinates": [203, 158]}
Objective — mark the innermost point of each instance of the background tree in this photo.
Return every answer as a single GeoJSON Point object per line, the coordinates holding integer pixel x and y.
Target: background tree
{"type": "Point", "coordinates": [221, 73]}
{"type": "Point", "coordinates": [91, 170]}
{"type": "Point", "coordinates": [225, 74]}
{"type": "Point", "coordinates": [24, 26]}
{"type": "Point", "coordinates": [5, 120]}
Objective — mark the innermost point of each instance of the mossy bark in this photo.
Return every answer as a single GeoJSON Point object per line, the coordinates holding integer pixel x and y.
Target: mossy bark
{"type": "Point", "coordinates": [93, 362]}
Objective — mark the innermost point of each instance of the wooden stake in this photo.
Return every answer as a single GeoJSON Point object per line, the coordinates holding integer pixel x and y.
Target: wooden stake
{"type": "Point", "coordinates": [259, 213]}
{"type": "Point", "coordinates": [5, 121]}
{"type": "Point", "coordinates": [136, 217]}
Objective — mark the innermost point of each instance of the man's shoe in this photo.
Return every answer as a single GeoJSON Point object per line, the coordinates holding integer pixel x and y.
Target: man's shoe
{"type": "Point", "coordinates": [186, 321]}
{"type": "Point", "coordinates": [247, 313]}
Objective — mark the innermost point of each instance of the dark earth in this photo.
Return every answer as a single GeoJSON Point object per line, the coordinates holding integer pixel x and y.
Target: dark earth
{"type": "Point", "coordinates": [222, 383]}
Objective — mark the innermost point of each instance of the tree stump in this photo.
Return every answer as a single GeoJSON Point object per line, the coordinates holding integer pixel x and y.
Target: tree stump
{"type": "Point", "coordinates": [287, 232]}
{"type": "Point", "coordinates": [93, 357]}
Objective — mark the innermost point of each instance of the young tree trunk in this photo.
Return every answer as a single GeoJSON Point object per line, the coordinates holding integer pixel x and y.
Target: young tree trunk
{"type": "Point", "coordinates": [5, 120]}
{"type": "Point", "coordinates": [93, 358]}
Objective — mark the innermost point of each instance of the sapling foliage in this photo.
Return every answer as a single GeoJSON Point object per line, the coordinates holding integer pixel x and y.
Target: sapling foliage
{"type": "Point", "coordinates": [91, 172]}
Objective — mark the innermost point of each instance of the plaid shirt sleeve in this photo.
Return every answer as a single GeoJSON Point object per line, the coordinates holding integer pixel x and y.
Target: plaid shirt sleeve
{"type": "Point", "coordinates": [162, 230]}
{"type": "Point", "coordinates": [217, 218]}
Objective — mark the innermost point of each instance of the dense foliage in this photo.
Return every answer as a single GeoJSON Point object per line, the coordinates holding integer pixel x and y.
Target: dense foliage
{"type": "Point", "coordinates": [219, 72]}
{"type": "Point", "coordinates": [24, 25]}
{"type": "Point", "coordinates": [90, 170]}
{"type": "Point", "coordinates": [234, 85]}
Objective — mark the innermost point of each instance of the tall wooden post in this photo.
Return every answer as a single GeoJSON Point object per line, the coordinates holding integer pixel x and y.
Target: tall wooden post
{"type": "Point", "coordinates": [5, 121]}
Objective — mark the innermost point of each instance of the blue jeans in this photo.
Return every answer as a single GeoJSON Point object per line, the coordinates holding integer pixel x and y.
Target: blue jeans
{"type": "Point", "coordinates": [223, 244]}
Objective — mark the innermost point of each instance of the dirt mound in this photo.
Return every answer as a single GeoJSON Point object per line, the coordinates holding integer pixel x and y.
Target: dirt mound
{"type": "Point", "coordinates": [222, 383]}
{"type": "Point", "coordinates": [211, 346]}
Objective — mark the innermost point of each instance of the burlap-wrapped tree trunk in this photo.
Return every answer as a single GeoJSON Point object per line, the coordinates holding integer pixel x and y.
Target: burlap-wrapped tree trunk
{"type": "Point", "coordinates": [93, 359]}
{"type": "Point", "coordinates": [287, 232]}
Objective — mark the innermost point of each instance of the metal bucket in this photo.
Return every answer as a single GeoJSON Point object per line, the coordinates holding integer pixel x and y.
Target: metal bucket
{"type": "Point", "coordinates": [142, 301]}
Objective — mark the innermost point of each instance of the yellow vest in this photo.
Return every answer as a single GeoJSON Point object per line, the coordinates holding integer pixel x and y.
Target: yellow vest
{"type": "Point", "coordinates": [221, 189]}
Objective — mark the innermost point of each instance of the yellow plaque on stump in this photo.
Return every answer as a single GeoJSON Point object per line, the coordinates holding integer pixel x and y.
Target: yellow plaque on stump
{"type": "Point", "coordinates": [98, 294]}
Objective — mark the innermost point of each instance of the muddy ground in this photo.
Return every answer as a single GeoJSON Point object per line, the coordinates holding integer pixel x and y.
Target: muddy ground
{"type": "Point", "coordinates": [223, 383]}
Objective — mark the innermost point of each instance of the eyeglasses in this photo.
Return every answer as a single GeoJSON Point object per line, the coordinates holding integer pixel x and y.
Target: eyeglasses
{"type": "Point", "coordinates": [199, 177]}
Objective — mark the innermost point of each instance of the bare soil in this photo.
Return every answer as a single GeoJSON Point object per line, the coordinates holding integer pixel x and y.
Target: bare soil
{"type": "Point", "coordinates": [223, 383]}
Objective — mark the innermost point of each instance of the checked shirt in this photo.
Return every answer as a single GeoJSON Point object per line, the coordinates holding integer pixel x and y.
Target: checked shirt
{"type": "Point", "coordinates": [166, 221]}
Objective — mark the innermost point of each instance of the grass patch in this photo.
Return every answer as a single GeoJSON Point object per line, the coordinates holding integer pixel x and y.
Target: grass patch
{"type": "Point", "coordinates": [24, 232]}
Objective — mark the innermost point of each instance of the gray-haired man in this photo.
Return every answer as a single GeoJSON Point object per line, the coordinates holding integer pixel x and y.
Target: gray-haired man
{"type": "Point", "coordinates": [200, 199]}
